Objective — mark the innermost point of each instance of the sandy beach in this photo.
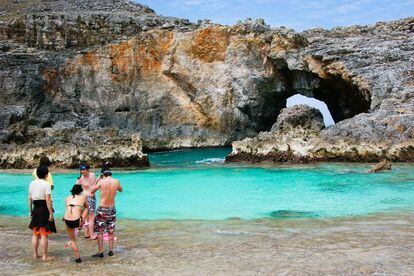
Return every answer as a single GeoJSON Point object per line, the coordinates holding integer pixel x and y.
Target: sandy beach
{"type": "Point", "coordinates": [378, 244]}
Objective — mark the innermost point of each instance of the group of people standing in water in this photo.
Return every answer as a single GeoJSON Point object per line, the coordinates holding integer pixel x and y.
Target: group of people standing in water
{"type": "Point", "coordinates": [80, 208]}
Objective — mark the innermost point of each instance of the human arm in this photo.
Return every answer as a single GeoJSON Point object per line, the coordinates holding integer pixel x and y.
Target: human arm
{"type": "Point", "coordinates": [84, 211]}
{"type": "Point", "coordinates": [120, 189]}
{"type": "Point", "coordinates": [95, 188]}
{"type": "Point", "coordinates": [30, 201]}
{"type": "Point", "coordinates": [49, 179]}
{"type": "Point", "coordinates": [49, 206]}
{"type": "Point", "coordinates": [48, 197]}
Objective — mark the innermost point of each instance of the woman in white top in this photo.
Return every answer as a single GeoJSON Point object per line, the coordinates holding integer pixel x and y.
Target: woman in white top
{"type": "Point", "coordinates": [41, 212]}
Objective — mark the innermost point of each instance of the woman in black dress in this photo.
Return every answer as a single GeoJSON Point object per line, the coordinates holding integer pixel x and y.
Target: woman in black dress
{"type": "Point", "coordinates": [41, 212]}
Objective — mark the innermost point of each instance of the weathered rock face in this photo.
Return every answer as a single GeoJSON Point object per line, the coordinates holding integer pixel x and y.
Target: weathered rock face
{"type": "Point", "coordinates": [299, 116]}
{"type": "Point", "coordinates": [67, 147]}
{"type": "Point", "coordinates": [365, 74]}
{"type": "Point", "coordinates": [296, 138]}
{"type": "Point", "coordinates": [115, 64]}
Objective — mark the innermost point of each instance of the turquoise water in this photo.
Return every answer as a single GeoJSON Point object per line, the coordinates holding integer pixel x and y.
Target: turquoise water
{"type": "Point", "coordinates": [196, 184]}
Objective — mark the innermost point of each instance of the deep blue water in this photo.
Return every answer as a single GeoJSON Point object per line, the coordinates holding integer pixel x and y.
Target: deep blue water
{"type": "Point", "coordinates": [196, 184]}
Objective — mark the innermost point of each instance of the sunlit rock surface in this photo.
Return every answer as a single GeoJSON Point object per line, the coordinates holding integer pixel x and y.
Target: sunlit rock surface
{"type": "Point", "coordinates": [94, 65]}
{"type": "Point", "coordinates": [67, 147]}
{"type": "Point", "coordinates": [296, 138]}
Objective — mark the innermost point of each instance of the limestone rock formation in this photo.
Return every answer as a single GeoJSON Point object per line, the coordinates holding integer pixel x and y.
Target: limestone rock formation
{"type": "Point", "coordinates": [291, 138]}
{"type": "Point", "coordinates": [365, 76]}
{"type": "Point", "coordinates": [96, 65]}
{"type": "Point", "coordinates": [67, 147]}
{"type": "Point", "coordinates": [296, 137]}
{"type": "Point", "coordinates": [299, 116]}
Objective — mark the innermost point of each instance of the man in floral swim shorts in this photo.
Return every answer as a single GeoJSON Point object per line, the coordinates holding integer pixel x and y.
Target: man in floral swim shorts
{"type": "Point", "coordinates": [105, 218]}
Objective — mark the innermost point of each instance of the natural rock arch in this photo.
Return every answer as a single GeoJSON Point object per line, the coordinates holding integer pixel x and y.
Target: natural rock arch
{"type": "Point", "coordinates": [343, 98]}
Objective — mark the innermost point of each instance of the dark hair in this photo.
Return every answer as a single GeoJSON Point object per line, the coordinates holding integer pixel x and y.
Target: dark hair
{"type": "Point", "coordinates": [42, 172]}
{"type": "Point", "coordinates": [44, 161]}
{"type": "Point", "coordinates": [106, 169]}
{"type": "Point", "coordinates": [76, 190]}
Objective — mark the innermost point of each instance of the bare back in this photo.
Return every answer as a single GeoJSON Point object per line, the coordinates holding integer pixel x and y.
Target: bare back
{"type": "Point", "coordinates": [74, 207]}
{"type": "Point", "coordinates": [109, 187]}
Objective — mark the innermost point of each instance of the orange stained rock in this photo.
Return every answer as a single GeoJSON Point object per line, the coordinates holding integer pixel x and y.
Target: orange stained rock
{"type": "Point", "coordinates": [281, 43]}
{"type": "Point", "coordinates": [337, 68]}
{"type": "Point", "coordinates": [49, 75]}
{"type": "Point", "coordinates": [89, 59]}
{"type": "Point", "coordinates": [400, 129]}
{"type": "Point", "coordinates": [316, 66]}
{"type": "Point", "coordinates": [210, 44]}
{"type": "Point", "coordinates": [123, 66]}
{"type": "Point", "coordinates": [151, 50]}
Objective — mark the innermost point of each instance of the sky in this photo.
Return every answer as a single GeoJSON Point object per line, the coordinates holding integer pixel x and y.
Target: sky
{"type": "Point", "coordinates": [297, 14]}
{"type": "Point", "coordinates": [323, 108]}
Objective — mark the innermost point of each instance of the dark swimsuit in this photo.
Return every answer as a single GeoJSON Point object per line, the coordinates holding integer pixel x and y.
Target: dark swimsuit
{"type": "Point", "coordinates": [73, 223]}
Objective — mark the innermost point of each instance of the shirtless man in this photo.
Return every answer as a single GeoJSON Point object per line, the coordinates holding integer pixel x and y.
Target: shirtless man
{"type": "Point", "coordinates": [88, 180]}
{"type": "Point", "coordinates": [106, 214]}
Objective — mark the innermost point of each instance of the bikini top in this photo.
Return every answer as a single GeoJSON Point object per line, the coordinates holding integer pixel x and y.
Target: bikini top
{"type": "Point", "coordinates": [73, 205]}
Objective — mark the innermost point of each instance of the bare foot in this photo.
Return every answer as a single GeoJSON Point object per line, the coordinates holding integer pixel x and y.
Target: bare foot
{"type": "Point", "coordinates": [46, 258]}
{"type": "Point", "coordinates": [35, 256]}
{"type": "Point", "coordinates": [68, 244]}
{"type": "Point", "coordinates": [94, 237]}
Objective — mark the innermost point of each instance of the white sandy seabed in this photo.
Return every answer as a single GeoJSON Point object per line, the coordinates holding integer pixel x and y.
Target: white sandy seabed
{"type": "Point", "coordinates": [376, 244]}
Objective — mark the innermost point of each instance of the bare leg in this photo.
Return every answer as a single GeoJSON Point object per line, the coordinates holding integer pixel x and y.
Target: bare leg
{"type": "Point", "coordinates": [35, 243]}
{"type": "Point", "coordinates": [43, 243]}
{"type": "Point", "coordinates": [100, 243]}
{"type": "Point", "coordinates": [72, 237]}
{"type": "Point", "coordinates": [90, 226]}
{"type": "Point", "coordinates": [111, 241]}
{"type": "Point", "coordinates": [87, 231]}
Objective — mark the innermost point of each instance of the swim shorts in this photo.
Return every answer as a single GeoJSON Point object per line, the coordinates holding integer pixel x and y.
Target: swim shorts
{"type": "Point", "coordinates": [91, 200]}
{"type": "Point", "coordinates": [105, 220]}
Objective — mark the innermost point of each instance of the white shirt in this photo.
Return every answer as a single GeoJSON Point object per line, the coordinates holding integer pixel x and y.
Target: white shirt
{"type": "Point", "coordinates": [38, 189]}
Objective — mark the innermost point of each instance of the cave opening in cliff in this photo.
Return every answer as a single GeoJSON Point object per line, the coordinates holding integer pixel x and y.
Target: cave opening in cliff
{"type": "Point", "coordinates": [343, 99]}
{"type": "Point", "coordinates": [298, 99]}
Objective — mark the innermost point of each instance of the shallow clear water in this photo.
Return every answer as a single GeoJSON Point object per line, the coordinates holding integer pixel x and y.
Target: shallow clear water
{"type": "Point", "coordinates": [196, 184]}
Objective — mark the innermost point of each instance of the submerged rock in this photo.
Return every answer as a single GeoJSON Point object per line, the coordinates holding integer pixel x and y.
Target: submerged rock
{"type": "Point", "coordinates": [383, 165]}
{"type": "Point", "coordinates": [288, 214]}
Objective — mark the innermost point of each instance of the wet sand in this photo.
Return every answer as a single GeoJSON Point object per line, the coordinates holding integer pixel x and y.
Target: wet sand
{"type": "Point", "coordinates": [378, 244]}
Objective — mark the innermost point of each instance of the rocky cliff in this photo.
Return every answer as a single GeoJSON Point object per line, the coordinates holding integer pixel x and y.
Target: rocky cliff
{"type": "Point", "coordinates": [70, 68]}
